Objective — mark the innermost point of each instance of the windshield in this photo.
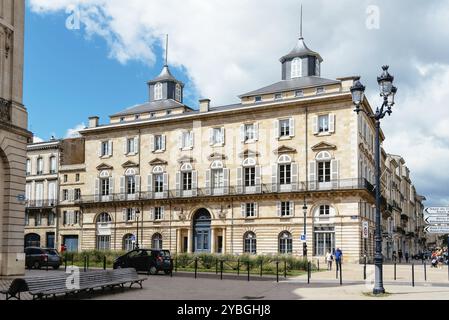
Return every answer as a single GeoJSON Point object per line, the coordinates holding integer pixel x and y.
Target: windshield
{"type": "Point", "coordinates": [52, 252]}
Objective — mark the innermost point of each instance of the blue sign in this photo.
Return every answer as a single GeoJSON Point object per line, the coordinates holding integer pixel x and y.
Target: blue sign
{"type": "Point", "coordinates": [21, 197]}
{"type": "Point", "coordinates": [303, 237]}
{"type": "Point", "coordinates": [133, 238]}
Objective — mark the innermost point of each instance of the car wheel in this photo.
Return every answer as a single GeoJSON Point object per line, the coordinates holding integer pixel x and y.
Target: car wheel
{"type": "Point", "coordinates": [167, 272]}
{"type": "Point", "coordinates": [37, 265]}
{"type": "Point", "coordinates": [153, 271]}
{"type": "Point", "coordinates": [56, 267]}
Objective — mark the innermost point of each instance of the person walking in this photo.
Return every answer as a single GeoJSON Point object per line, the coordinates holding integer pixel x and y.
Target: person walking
{"type": "Point", "coordinates": [400, 256]}
{"type": "Point", "coordinates": [394, 257]}
{"type": "Point", "coordinates": [338, 257]}
{"type": "Point", "coordinates": [329, 260]}
{"type": "Point", "coordinates": [406, 257]}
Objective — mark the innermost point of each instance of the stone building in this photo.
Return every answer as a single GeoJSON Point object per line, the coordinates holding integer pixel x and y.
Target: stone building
{"type": "Point", "coordinates": [14, 137]}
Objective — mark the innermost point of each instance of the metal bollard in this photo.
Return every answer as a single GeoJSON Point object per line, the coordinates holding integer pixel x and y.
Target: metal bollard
{"type": "Point", "coordinates": [413, 275]}
{"type": "Point", "coordinates": [73, 257]}
{"type": "Point", "coordinates": [336, 271]}
{"type": "Point", "coordinates": [318, 264]}
{"type": "Point", "coordinates": [171, 270]}
{"type": "Point", "coordinates": [364, 272]}
{"type": "Point", "coordinates": [238, 267]}
{"type": "Point", "coordinates": [341, 274]}
{"type": "Point", "coordinates": [104, 263]}
{"type": "Point", "coordinates": [261, 268]}
{"type": "Point", "coordinates": [65, 263]}
{"type": "Point", "coordinates": [277, 271]}
{"type": "Point", "coordinates": [88, 260]}
{"type": "Point", "coordinates": [285, 269]}
{"type": "Point", "coordinates": [221, 270]}
{"type": "Point", "coordinates": [176, 264]}
{"type": "Point", "coordinates": [196, 268]}
{"type": "Point", "coordinates": [395, 271]}
{"type": "Point", "coordinates": [308, 272]}
{"type": "Point", "coordinates": [85, 263]}
{"type": "Point", "coordinates": [248, 270]}
{"type": "Point", "coordinates": [425, 272]}
{"type": "Point", "coordinates": [216, 266]}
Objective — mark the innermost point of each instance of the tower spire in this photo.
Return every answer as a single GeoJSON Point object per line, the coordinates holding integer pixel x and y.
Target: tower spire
{"type": "Point", "coordinates": [300, 26]}
{"type": "Point", "coordinates": [166, 50]}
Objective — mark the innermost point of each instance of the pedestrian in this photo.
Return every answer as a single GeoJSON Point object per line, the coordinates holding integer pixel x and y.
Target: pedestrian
{"type": "Point", "coordinates": [406, 257]}
{"type": "Point", "coordinates": [63, 248]}
{"type": "Point", "coordinates": [394, 256]}
{"type": "Point", "coordinates": [338, 257]}
{"type": "Point", "coordinates": [400, 256]}
{"type": "Point", "coordinates": [329, 259]}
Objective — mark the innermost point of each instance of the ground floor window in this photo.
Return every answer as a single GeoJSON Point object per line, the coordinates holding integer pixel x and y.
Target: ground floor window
{"type": "Point", "coordinates": [103, 243]}
{"type": "Point", "coordinates": [156, 241]}
{"type": "Point", "coordinates": [128, 242]}
{"type": "Point", "coordinates": [250, 244]}
{"type": "Point", "coordinates": [285, 243]}
{"type": "Point", "coordinates": [324, 240]}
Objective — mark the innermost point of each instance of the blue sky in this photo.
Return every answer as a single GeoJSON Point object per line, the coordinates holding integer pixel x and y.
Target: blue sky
{"type": "Point", "coordinates": [69, 77]}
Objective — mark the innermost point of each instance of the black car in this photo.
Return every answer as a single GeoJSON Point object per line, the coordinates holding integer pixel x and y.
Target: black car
{"type": "Point", "coordinates": [41, 257]}
{"type": "Point", "coordinates": [148, 260]}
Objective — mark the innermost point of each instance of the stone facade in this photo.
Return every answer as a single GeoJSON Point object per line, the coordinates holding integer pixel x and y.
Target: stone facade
{"type": "Point", "coordinates": [13, 137]}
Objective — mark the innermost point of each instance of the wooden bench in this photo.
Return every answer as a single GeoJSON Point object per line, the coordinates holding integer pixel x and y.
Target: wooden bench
{"type": "Point", "coordinates": [44, 287]}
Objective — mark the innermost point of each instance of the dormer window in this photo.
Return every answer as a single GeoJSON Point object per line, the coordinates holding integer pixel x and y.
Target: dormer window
{"type": "Point", "coordinates": [258, 99]}
{"type": "Point", "coordinates": [122, 119]}
{"type": "Point", "coordinates": [320, 90]}
{"type": "Point", "coordinates": [278, 96]}
{"type": "Point", "coordinates": [168, 112]}
{"type": "Point", "coordinates": [317, 68]}
{"type": "Point", "coordinates": [296, 68]}
{"type": "Point", "coordinates": [299, 93]}
{"type": "Point", "coordinates": [158, 91]}
{"type": "Point", "coordinates": [152, 114]}
{"type": "Point", "coordinates": [178, 92]}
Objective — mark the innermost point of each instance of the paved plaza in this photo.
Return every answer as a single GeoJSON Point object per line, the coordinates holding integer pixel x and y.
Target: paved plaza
{"type": "Point", "coordinates": [323, 286]}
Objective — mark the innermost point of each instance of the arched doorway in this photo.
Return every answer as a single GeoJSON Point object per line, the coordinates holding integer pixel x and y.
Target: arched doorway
{"type": "Point", "coordinates": [201, 231]}
{"type": "Point", "coordinates": [32, 240]}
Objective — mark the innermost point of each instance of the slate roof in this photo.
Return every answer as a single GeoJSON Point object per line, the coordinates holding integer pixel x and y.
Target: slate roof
{"type": "Point", "coordinates": [151, 107]}
{"type": "Point", "coordinates": [301, 50]}
{"type": "Point", "coordinates": [165, 75]}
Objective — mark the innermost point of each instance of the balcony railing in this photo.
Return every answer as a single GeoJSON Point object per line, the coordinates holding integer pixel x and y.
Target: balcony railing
{"type": "Point", "coordinates": [344, 184]}
{"type": "Point", "coordinates": [41, 203]}
{"type": "Point", "coordinates": [5, 110]}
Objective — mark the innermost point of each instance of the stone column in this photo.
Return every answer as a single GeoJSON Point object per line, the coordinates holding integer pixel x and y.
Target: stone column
{"type": "Point", "coordinates": [224, 241]}
{"type": "Point", "coordinates": [212, 240]}
{"type": "Point", "coordinates": [178, 241]}
{"type": "Point", "coordinates": [189, 241]}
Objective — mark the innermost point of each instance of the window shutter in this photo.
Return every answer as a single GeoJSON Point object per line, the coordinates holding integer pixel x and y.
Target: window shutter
{"type": "Point", "coordinates": [312, 175]}
{"type": "Point", "coordinates": [64, 218]}
{"type": "Point", "coordinates": [125, 215]}
{"type": "Point", "coordinates": [242, 133]}
{"type": "Point", "coordinates": [360, 122]}
{"type": "Point", "coordinates": [165, 184]}
{"type": "Point", "coordinates": [97, 189]}
{"type": "Point", "coordinates": [180, 140]}
{"type": "Point", "coordinates": [111, 188]}
{"type": "Point", "coordinates": [256, 209]}
{"type": "Point", "coordinates": [137, 184]}
{"type": "Point", "coordinates": [277, 132]}
{"type": "Point", "coordinates": [274, 178]}
{"type": "Point", "coordinates": [226, 173]}
{"type": "Point", "coordinates": [122, 188]}
{"type": "Point", "coordinates": [315, 125]}
{"type": "Point", "coordinates": [192, 139]}
{"type": "Point", "coordinates": [164, 142]}
{"type": "Point", "coordinates": [178, 184]}
{"type": "Point", "coordinates": [258, 179]}
{"type": "Point", "coordinates": [292, 208]}
{"type": "Point", "coordinates": [332, 123]}
{"type": "Point", "coordinates": [71, 195]}
{"type": "Point", "coordinates": [278, 208]}
{"type": "Point", "coordinates": [162, 213]}
{"type": "Point", "coordinates": [295, 185]}
{"type": "Point", "coordinates": [152, 145]}
{"type": "Point", "coordinates": [292, 127]}
{"type": "Point", "coordinates": [208, 184]}
{"type": "Point", "coordinates": [223, 136]}
{"type": "Point", "coordinates": [243, 210]}
{"type": "Point", "coordinates": [194, 183]}
{"type": "Point", "coordinates": [110, 146]}
{"type": "Point", "coordinates": [335, 173]}
{"type": "Point", "coordinates": [211, 136]}
{"type": "Point", "coordinates": [239, 180]}
{"type": "Point", "coordinates": [256, 131]}
{"type": "Point", "coordinates": [151, 214]}
{"type": "Point", "coordinates": [150, 185]}
{"type": "Point", "coordinates": [100, 147]}
{"type": "Point", "coordinates": [136, 145]}
{"type": "Point", "coordinates": [125, 146]}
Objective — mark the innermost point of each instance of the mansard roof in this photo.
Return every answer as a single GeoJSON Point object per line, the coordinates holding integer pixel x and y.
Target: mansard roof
{"type": "Point", "coordinates": [151, 106]}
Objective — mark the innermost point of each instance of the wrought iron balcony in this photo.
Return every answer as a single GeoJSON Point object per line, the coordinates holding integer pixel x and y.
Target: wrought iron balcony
{"type": "Point", "coordinates": [5, 110]}
{"type": "Point", "coordinates": [37, 204]}
{"type": "Point", "coordinates": [314, 186]}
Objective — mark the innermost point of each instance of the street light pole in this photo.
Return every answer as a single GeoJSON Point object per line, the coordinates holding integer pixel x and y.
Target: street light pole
{"type": "Point", "coordinates": [304, 245]}
{"type": "Point", "coordinates": [137, 234]}
{"type": "Point", "coordinates": [388, 92]}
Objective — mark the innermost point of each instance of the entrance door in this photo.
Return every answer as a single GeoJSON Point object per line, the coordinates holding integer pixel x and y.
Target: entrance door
{"type": "Point", "coordinates": [201, 228]}
{"type": "Point", "coordinates": [71, 243]}
{"type": "Point", "coordinates": [50, 240]}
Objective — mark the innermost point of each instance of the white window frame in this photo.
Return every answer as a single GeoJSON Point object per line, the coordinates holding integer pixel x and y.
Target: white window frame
{"type": "Point", "coordinates": [296, 68]}
{"type": "Point", "coordinates": [158, 88]}
{"type": "Point", "coordinates": [178, 92]}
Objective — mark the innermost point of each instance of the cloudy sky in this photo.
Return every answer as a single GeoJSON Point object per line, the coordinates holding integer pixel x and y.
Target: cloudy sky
{"type": "Point", "coordinates": [224, 48]}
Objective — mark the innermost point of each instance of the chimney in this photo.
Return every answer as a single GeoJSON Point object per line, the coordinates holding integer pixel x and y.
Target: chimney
{"type": "Point", "coordinates": [93, 122]}
{"type": "Point", "coordinates": [204, 105]}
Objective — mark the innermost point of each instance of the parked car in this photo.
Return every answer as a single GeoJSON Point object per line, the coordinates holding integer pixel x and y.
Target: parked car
{"type": "Point", "coordinates": [148, 260]}
{"type": "Point", "coordinates": [41, 257]}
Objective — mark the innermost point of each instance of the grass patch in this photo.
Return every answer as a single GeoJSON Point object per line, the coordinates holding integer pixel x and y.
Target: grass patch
{"type": "Point", "coordinates": [372, 295]}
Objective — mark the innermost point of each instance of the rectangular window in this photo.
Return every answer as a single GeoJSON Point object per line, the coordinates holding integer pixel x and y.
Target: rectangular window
{"type": "Point", "coordinates": [131, 185]}
{"type": "Point", "coordinates": [299, 93]}
{"type": "Point", "coordinates": [284, 128]}
{"type": "Point", "coordinates": [186, 181]}
{"type": "Point", "coordinates": [52, 165]}
{"type": "Point", "coordinates": [217, 136]}
{"type": "Point", "coordinates": [40, 166]}
{"type": "Point", "coordinates": [217, 178]}
{"type": "Point", "coordinates": [152, 114]}
{"type": "Point", "coordinates": [27, 219]}
{"type": "Point", "coordinates": [38, 219]}
{"type": "Point", "coordinates": [258, 99]}
{"type": "Point", "coordinates": [158, 183]}
{"type": "Point", "coordinates": [65, 195]}
{"type": "Point", "coordinates": [28, 167]}
{"type": "Point", "coordinates": [129, 216]}
{"type": "Point", "coordinates": [285, 209]}
{"type": "Point", "coordinates": [323, 123]}
{"type": "Point", "coordinates": [324, 210]}
{"type": "Point", "coordinates": [130, 146]}
{"type": "Point", "coordinates": [51, 219]}
{"type": "Point", "coordinates": [105, 148]}
{"type": "Point", "coordinates": [77, 194]}
{"type": "Point", "coordinates": [250, 211]}
{"type": "Point", "coordinates": [285, 174]}
{"type": "Point", "coordinates": [103, 243]}
{"type": "Point", "coordinates": [66, 178]}
{"type": "Point", "coordinates": [324, 171]}
{"type": "Point", "coordinates": [250, 132]}
{"type": "Point", "coordinates": [158, 143]}
{"type": "Point", "coordinates": [104, 187]}
{"type": "Point", "coordinates": [278, 96]}
{"type": "Point", "coordinates": [320, 90]}
{"type": "Point", "coordinates": [187, 139]}
{"type": "Point", "coordinates": [250, 176]}
{"type": "Point", "coordinates": [158, 213]}
{"type": "Point", "coordinates": [77, 177]}
{"type": "Point", "coordinates": [324, 241]}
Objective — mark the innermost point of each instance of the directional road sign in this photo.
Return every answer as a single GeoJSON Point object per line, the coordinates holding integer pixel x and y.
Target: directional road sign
{"type": "Point", "coordinates": [437, 211]}
{"type": "Point", "coordinates": [437, 229]}
{"type": "Point", "coordinates": [437, 219]}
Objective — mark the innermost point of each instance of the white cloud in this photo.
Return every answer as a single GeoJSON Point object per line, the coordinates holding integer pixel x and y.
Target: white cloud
{"type": "Point", "coordinates": [74, 132]}
{"type": "Point", "coordinates": [37, 140]}
{"type": "Point", "coordinates": [233, 46]}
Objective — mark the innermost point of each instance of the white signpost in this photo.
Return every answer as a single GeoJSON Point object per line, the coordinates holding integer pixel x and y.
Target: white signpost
{"type": "Point", "coordinates": [365, 230]}
{"type": "Point", "coordinates": [437, 220]}
{"type": "Point", "coordinates": [437, 229]}
{"type": "Point", "coordinates": [436, 211]}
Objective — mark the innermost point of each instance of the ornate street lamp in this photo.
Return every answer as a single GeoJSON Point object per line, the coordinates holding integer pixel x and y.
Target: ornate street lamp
{"type": "Point", "coordinates": [137, 235]}
{"type": "Point", "coordinates": [388, 92]}
{"type": "Point", "coordinates": [304, 245]}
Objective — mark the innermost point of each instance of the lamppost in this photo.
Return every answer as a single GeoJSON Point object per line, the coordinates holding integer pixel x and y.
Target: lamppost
{"type": "Point", "coordinates": [388, 92]}
{"type": "Point", "coordinates": [137, 235]}
{"type": "Point", "coordinates": [304, 244]}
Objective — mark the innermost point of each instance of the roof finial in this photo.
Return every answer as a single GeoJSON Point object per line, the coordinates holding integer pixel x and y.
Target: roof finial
{"type": "Point", "coordinates": [166, 50]}
{"type": "Point", "coordinates": [300, 28]}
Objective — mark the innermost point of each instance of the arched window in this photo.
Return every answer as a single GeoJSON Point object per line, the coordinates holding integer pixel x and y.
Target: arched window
{"type": "Point", "coordinates": [104, 174]}
{"type": "Point", "coordinates": [324, 166]}
{"type": "Point", "coordinates": [285, 243]}
{"type": "Point", "coordinates": [217, 165]}
{"type": "Point", "coordinates": [285, 159]}
{"type": "Point", "coordinates": [158, 91]}
{"type": "Point", "coordinates": [323, 155]}
{"type": "Point", "coordinates": [285, 170]}
{"type": "Point", "coordinates": [178, 92]}
{"type": "Point", "coordinates": [296, 68]}
{"type": "Point", "coordinates": [250, 243]}
{"type": "Point", "coordinates": [104, 218]}
{"type": "Point", "coordinates": [128, 242]}
{"type": "Point", "coordinates": [130, 172]}
{"type": "Point", "coordinates": [324, 210]}
{"type": "Point", "coordinates": [249, 162]}
{"type": "Point", "coordinates": [156, 241]}
{"type": "Point", "coordinates": [186, 167]}
{"type": "Point", "coordinates": [158, 170]}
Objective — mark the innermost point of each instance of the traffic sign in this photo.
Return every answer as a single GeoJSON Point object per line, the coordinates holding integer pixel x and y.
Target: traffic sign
{"type": "Point", "coordinates": [437, 229]}
{"type": "Point", "coordinates": [303, 238]}
{"type": "Point", "coordinates": [365, 230]}
{"type": "Point", "coordinates": [437, 220]}
{"type": "Point", "coordinates": [436, 211]}
{"type": "Point", "coordinates": [133, 238]}
{"type": "Point", "coordinates": [21, 197]}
